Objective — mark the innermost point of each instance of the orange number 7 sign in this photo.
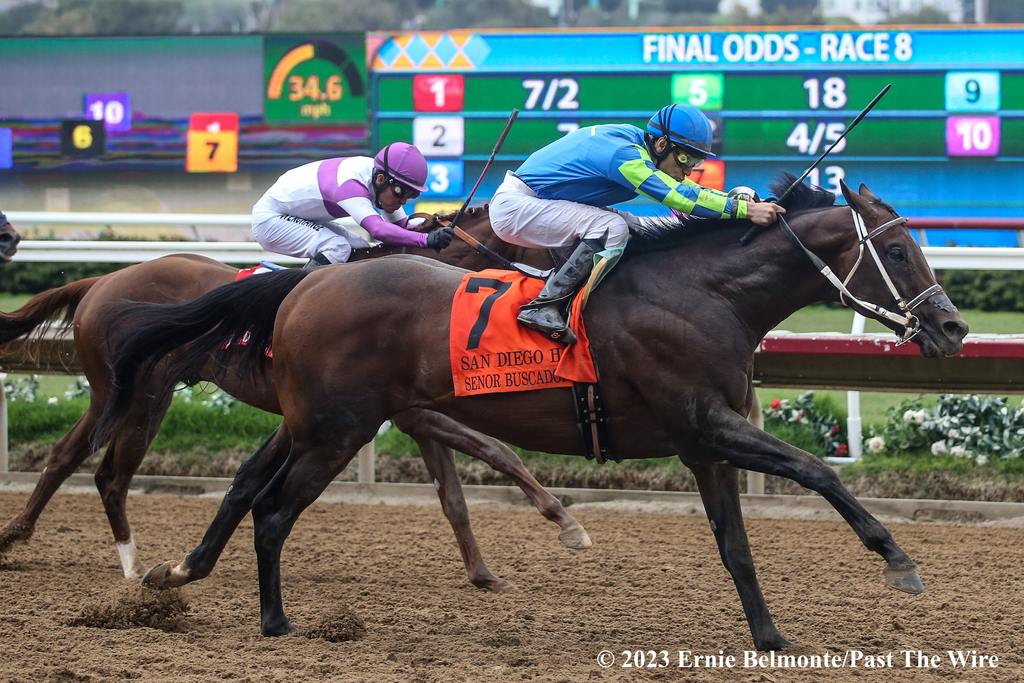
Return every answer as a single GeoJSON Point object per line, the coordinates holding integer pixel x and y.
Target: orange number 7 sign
{"type": "Point", "coordinates": [212, 145]}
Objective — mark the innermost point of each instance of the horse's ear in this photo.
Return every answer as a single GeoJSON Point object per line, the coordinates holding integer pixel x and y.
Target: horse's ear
{"type": "Point", "coordinates": [866, 193]}
{"type": "Point", "coordinates": [852, 198]}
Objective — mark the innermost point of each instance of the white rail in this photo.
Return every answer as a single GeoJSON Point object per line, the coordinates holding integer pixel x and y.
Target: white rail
{"type": "Point", "coordinates": [75, 251]}
{"type": "Point", "coordinates": [120, 218]}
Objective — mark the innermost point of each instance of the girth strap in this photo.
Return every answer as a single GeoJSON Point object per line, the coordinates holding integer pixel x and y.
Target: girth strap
{"type": "Point", "coordinates": [592, 419]}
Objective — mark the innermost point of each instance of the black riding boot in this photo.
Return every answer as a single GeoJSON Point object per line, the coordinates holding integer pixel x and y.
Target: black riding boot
{"type": "Point", "coordinates": [546, 313]}
{"type": "Point", "coordinates": [318, 260]}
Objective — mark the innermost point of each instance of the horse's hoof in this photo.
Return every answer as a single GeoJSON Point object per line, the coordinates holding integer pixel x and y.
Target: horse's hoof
{"type": "Point", "coordinates": [14, 534]}
{"type": "Point", "coordinates": [164, 576]}
{"type": "Point", "coordinates": [275, 629]}
{"type": "Point", "coordinates": [775, 642]}
{"type": "Point", "coordinates": [493, 584]}
{"type": "Point", "coordinates": [906, 580]}
{"type": "Point", "coordinates": [575, 537]}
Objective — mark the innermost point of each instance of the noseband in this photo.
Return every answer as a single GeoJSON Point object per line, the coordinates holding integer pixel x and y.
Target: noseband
{"type": "Point", "coordinates": [910, 322]}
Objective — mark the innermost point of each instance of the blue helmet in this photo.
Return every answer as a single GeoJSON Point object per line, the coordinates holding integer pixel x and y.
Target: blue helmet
{"type": "Point", "coordinates": [684, 125]}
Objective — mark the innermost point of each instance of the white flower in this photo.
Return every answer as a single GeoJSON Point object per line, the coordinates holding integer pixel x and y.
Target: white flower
{"type": "Point", "coordinates": [939, 447]}
{"type": "Point", "coordinates": [981, 459]}
{"type": "Point", "coordinates": [908, 416]}
{"type": "Point", "coordinates": [876, 444]}
{"type": "Point", "coordinates": [51, 401]}
{"type": "Point", "coordinates": [953, 433]}
{"type": "Point", "coordinates": [958, 451]}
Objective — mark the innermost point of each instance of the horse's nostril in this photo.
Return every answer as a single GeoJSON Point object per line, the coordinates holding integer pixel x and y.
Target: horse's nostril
{"type": "Point", "coordinates": [955, 328]}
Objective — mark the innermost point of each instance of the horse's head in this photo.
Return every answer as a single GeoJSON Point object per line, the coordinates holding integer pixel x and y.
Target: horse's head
{"type": "Point", "coordinates": [9, 239]}
{"type": "Point", "coordinates": [890, 270]}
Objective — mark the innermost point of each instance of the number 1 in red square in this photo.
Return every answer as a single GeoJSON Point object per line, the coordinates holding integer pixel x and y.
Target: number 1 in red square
{"type": "Point", "coordinates": [438, 92]}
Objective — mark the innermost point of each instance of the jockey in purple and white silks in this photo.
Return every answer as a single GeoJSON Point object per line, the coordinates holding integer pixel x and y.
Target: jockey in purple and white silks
{"type": "Point", "coordinates": [557, 197]}
{"type": "Point", "coordinates": [297, 215]}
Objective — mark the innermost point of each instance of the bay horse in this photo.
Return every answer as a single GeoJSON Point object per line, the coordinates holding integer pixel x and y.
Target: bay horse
{"type": "Point", "coordinates": [673, 331]}
{"type": "Point", "coordinates": [89, 305]}
{"type": "Point", "coordinates": [9, 239]}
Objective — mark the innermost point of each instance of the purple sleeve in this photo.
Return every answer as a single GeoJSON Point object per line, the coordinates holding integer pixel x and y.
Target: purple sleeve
{"type": "Point", "coordinates": [389, 233]}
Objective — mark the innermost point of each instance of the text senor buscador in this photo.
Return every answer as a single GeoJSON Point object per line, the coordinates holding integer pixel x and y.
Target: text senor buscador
{"type": "Point", "coordinates": [844, 659]}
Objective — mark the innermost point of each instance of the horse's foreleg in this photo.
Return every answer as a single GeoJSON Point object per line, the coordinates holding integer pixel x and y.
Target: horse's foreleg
{"type": "Point", "coordinates": [441, 465]}
{"type": "Point", "coordinates": [64, 459]}
{"type": "Point", "coordinates": [114, 475]}
{"type": "Point", "coordinates": [500, 457]}
{"type": "Point", "coordinates": [732, 438]}
{"type": "Point", "coordinates": [719, 490]}
{"type": "Point", "coordinates": [302, 478]}
{"type": "Point", "coordinates": [252, 477]}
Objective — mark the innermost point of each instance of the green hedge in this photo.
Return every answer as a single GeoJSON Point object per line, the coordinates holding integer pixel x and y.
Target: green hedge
{"type": "Point", "coordinates": [985, 290]}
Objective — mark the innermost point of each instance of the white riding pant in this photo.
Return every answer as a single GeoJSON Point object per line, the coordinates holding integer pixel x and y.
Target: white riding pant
{"type": "Point", "coordinates": [303, 238]}
{"type": "Point", "coordinates": [519, 217]}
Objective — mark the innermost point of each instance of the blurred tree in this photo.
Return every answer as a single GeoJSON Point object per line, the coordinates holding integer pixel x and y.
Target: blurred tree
{"type": "Point", "coordinates": [692, 6]}
{"type": "Point", "coordinates": [15, 18]}
{"type": "Point", "coordinates": [1002, 11]}
{"type": "Point", "coordinates": [493, 13]}
{"type": "Point", "coordinates": [789, 6]}
{"type": "Point", "coordinates": [91, 17]}
{"type": "Point", "coordinates": [331, 15]}
{"type": "Point", "coordinates": [925, 15]}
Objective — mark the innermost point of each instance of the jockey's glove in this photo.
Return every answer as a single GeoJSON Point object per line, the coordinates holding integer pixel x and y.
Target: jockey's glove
{"type": "Point", "coordinates": [439, 238]}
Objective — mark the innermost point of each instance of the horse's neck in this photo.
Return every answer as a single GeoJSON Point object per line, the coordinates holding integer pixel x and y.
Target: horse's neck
{"type": "Point", "coordinates": [759, 285]}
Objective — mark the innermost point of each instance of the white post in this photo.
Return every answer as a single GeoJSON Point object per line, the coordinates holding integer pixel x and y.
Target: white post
{"type": "Point", "coordinates": [4, 457]}
{"type": "Point", "coordinates": [853, 420]}
{"type": "Point", "coordinates": [367, 464]}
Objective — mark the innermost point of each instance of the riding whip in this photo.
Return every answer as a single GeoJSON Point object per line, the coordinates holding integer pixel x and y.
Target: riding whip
{"type": "Point", "coordinates": [864, 112]}
{"type": "Point", "coordinates": [474, 242]}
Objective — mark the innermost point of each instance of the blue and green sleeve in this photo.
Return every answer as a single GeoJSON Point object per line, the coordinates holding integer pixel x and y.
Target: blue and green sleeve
{"type": "Point", "coordinates": [632, 167]}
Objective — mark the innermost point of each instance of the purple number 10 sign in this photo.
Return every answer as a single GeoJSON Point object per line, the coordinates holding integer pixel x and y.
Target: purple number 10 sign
{"type": "Point", "coordinates": [114, 109]}
{"type": "Point", "coordinates": [972, 136]}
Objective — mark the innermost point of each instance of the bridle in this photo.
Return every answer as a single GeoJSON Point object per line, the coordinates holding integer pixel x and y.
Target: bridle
{"type": "Point", "coordinates": [910, 322]}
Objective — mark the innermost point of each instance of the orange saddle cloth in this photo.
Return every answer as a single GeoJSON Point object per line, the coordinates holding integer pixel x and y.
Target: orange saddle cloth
{"type": "Point", "coordinates": [492, 353]}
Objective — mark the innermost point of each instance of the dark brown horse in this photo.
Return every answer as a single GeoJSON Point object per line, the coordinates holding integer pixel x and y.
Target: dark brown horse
{"type": "Point", "coordinates": [673, 331]}
{"type": "Point", "coordinates": [87, 305]}
{"type": "Point", "coordinates": [9, 239]}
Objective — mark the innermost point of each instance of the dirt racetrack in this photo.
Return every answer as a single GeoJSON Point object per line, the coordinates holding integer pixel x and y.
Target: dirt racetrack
{"type": "Point", "coordinates": [651, 582]}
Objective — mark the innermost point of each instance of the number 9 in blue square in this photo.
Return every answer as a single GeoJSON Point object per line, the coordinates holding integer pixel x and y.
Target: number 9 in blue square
{"type": "Point", "coordinates": [444, 178]}
{"type": "Point", "coordinates": [6, 148]}
{"type": "Point", "coordinates": [972, 91]}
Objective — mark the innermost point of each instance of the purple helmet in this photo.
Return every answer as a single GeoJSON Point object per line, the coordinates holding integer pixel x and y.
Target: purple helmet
{"type": "Point", "coordinates": [404, 163]}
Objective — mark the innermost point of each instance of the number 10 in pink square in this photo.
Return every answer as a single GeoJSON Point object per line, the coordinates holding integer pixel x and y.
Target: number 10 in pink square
{"type": "Point", "coordinates": [972, 136]}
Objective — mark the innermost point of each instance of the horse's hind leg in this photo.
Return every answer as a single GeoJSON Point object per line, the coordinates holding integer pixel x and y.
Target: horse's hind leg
{"type": "Point", "coordinates": [433, 425]}
{"type": "Point", "coordinates": [252, 476]}
{"type": "Point", "coordinates": [731, 437]}
{"type": "Point", "coordinates": [300, 481]}
{"type": "Point", "coordinates": [719, 490]}
{"type": "Point", "coordinates": [114, 475]}
{"type": "Point", "coordinates": [441, 465]}
{"type": "Point", "coordinates": [64, 459]}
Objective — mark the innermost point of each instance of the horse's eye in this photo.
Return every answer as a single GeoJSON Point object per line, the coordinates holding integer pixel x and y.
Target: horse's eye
{"type": "Point", "coordinates": [895, 253]}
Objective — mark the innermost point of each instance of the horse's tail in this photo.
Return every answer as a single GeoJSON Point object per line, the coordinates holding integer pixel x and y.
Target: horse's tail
{"type": "Point", "coordinates": [44, 307]}
{"type": "Point", "coordinates": [199, 328]}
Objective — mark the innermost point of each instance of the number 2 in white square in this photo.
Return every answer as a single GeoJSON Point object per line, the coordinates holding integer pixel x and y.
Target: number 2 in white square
{"type": "Point", "coordinates": [439, 136]}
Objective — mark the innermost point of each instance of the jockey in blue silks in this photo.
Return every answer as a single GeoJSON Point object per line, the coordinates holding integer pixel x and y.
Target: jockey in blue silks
{"type": "Point", "coordinates": [556, 198]}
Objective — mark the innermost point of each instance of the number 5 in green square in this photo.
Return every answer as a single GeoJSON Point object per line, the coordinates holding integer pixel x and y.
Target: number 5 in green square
{"type": "Point", "coordinates": [700, 90]}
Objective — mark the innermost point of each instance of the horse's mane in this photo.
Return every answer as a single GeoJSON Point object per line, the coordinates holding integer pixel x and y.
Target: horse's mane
{"type": "Point", "coordinates": [656, 234]}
